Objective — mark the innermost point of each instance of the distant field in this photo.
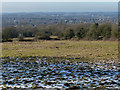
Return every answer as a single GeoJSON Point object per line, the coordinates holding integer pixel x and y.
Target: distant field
{"type": "Point", "coordinates": [87, 49]}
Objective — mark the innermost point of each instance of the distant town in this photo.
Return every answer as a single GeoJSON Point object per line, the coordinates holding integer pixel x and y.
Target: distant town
{"type": "Point", "coordinates": [50, 18]}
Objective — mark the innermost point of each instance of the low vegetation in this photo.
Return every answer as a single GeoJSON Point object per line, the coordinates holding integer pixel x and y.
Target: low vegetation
{"type": "Point", "coordinates": [63, 48]}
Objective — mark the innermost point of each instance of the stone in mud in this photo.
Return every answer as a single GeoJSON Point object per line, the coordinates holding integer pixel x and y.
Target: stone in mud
{"type": "Point", "coordinates": [68, 84]}
{"type": "Point", "coordinates": [49, 82]}
{"type": "Point", "coordinates": [15, 71]}
{"type": "Point", "coordinates": [113, 82]}
{"type": "Point", "coordinates": [102, 83]}
{"type": "Point", "coordinates": [75, 87]}
{"type": "Point", "coordinates": [28, 81]}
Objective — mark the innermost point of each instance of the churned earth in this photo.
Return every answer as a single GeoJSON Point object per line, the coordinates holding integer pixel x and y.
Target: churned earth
{"type": "Point", "coordinates": [58, 73]}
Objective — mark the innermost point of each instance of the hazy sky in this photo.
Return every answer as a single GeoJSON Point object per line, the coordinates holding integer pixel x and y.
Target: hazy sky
{"type": "Point", "coordinates": [59, 6]}
{"type": "Point", "coordinates": [60, 0]}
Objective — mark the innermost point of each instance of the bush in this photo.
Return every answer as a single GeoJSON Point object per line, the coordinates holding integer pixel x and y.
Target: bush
{"type": "Point", "coordinates": [92, 33]}
{"type": "Point", "coordinates": [20, 37]}
{"type": "Point", "coordinates": [80, 33]}
{"type": "Point", "coordinates": [69, 34]}
{"type": "Point", "coordinates": [42, 35]}
{"type": "Point", "coordinates": [9, 33]}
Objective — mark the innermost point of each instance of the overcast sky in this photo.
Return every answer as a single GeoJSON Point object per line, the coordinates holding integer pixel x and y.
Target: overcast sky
{"type": "Point", "coordinates": [10, 7]}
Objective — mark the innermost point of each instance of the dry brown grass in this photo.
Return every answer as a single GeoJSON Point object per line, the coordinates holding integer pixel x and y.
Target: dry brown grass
{"type": "Point", "coordinates": [63, 48]}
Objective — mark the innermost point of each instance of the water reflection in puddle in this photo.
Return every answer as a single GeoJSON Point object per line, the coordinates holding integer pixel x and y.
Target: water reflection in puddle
{"type": "Point", "coordinates": [38, 72]}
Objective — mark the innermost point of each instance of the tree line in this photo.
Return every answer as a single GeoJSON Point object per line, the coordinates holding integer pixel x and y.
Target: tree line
{"type": "Point", "coordinates": [105, 31]}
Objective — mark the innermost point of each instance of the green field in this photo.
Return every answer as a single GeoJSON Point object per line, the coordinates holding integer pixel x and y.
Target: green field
{"type": "Point", "coordinates": [98, 50]}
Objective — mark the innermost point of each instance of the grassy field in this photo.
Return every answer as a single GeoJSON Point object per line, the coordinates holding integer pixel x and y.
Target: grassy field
{"type": "Point", "coordinates": [87, 49]}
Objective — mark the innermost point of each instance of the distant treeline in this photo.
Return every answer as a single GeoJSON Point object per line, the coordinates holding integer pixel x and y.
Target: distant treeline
{"type": "Point", "coordinates": [105, 31]}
